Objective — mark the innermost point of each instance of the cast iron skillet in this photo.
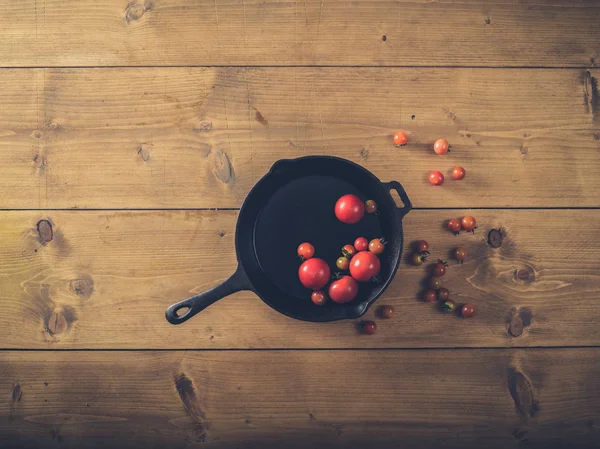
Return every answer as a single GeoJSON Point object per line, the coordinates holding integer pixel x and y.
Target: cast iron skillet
{"type": "Point", "coordinates": [294, 203]}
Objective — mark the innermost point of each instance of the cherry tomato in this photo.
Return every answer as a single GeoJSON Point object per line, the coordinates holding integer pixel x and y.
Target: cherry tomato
{"type": "Point", "coordinates": [386, 311]}
{"type": "Point", "coordinates": [318, 297]}
{"type": "Point", "coordinates": [422, 246]}
{"type": "Point", "coordinates": [361, 244]}
{"type": "Point", "coordinates": [348, 251]}
{"type": "Point", "coordinates": [441, 146]}
{"type": "Point", "coordinates": [468, 223]}
{"type": "Point", "coordinates": [439, 269]}
{"type": "Point", "coordinates": [376, 246]}
{"type": "Point", "coordinates": [400, 138]}
{"type": "Point", "coordinates": [342, 263]}
{"type": "Point", "coordinates": [343, 290]}
{"type": "Point", "coordinates": [435, 283]}
{"type": "Point", "coordinates": [314, 273]}
{"type": "Point", "coordinates": [306, 250]}
{"type": "Point", "coordinates": [458, 173]}
{"type": "Point", "coordinates": [443, 294]}
{"type": "Point", "coordinates": [418, 259]}
{"type": "Point", "coordinates": [448, 306]}
{"type": "Point", "coordinates": [364, 266]}
{"type": "Point", "coordinates": [429, 296]}
{"type": "Point", "coordinates": [454, 226]}
{"type": "Point", "coordinates": [370, 206]}
{"type": "Point", "coordinates": [460, 254]}
{"type": "Point", "coordinates": [349, 209]}
{"type": "Point", "coordinates": [436, 178]}
{"type": "Point", "coordinates": [369, 327]}
{"type": "Point", "coordinates": [468, 310]}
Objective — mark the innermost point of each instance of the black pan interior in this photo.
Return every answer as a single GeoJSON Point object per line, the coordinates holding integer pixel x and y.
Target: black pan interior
{"type": "Point", "coordinates": [295, 203]}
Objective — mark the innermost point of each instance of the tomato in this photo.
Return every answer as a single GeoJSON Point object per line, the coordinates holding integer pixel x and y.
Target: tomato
{"type": "Point", "coordinates": [468, 223]}
{"type": "Point", "coordinates": [460, 254]}
{"type": "Point", "coordinates": [429, 296]}
{"type": "Point", "coordinates": [439, 269]}
{"type": "Point", "coordinates": [454, 226]}
{"type": "Point", "coordinates": [370, 206]}
{"type": "Point", "coordinates": [342, 263]}
{"type": "Point", "coordinates": [306, 251]}
{"type": "Point", "coordinates": [436, 178]}
{"type": "Point", "coordinates": [443, 294]}
{"type": "Point", "coordinates": [349, 209]}
{"type": "Point", "coordinates": [364, 266]}
{"type": "Point", "coordinates": [343, 290]}
{"type": "Point", "coordinates": [418, 259]}
{"type": "Point", "coordinates": [361, 244]}
{"type": "Point", "coordinates": [422, 246]}
{"type": "Point", "coordinates": [376, 246]}
{"type": "Point", "coordinates": [458, 173]}
{"type": "Point", "coordinates": [318, 297]}
{"type": "Point", "coordinates": [400, 138]}
{"type": "Point", "coordinates": [441, 146]}
{"type": "Point", "coordinates": [314, 273]}
{"type": "Point", "coordinates": [369, 327]}
{"type": "Point", "coordinates": [386, 311]}
{"type": "Point", "coordinates": [468, 310]}
{"type": "Point", "coordinates": [435, 283]}
{"type": "Point", "coordinates": [348, 251]}
{"type": "Point", "coordinates": [448, 306]}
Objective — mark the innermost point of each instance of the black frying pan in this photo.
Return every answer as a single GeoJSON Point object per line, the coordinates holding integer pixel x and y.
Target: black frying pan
{"type": "Point", "coordinates": [294, 203]}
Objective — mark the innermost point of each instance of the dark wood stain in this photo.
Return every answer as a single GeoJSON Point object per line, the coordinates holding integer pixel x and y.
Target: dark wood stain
{"type": "Point", "coordinates": [61, 320]}
{"type": "Point", "coordinates": [222, 170]}
{"type": "Point", "coordinates": [17, 393]}
{"type": "Point", "coordinates": [191, 403]}
{"type": "Point", "coordinates": [83, 287]}
{"type": "Point", "coordinates": [495, 237]}
{"type": "Point", "coordinates": [135, 10]}
{"type": "Point", "coordinates": [260, 118]}
{"type": "Point", "coordinates": [44, 229]}
{"type": "Point", "coordinates": [521, 391]}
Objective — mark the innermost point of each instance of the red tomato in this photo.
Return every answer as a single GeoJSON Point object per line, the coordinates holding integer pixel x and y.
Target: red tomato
{"type": "Point", "coordinates": [468, 310]}
{"type": "Point", "coordinates": [454, 226]}
{"type": "Point", "coordinates": [318, 297]}
{"type": "Point", "coordinates": [349, 209]}
{"type": "Point", "coordinates": [458, 173]}
{"type": "Point", "coordinates": [364, 266]}
{"type": "Point", "coordinates": [439, 269]}
{"type": "Point", "coordinates": [429, 296]}
{"type": "Point", "coordinates": [460, 254]}
{"type": "Point", "coordinates": [314, 273]}
{"type": "Point", "coordinates": [443, 294]}
{"type": "Point", "coordinates": [400, 138]}
{"type": "Point", "coordinates": [371, 206]}
{"type": "Point", "coordinates": [441, 146]}
{"type": "Point", "coordinates": [469, 223]}
{"type": "Point", "coordinates": [348, 251]}
{"type": "Point", "coordinates": [423, 246]}
{"type": "Point", "coordinates": [361, 244]}
{"type": "Point", "coordinates": [306, 250]}
{"type": "Point", "coordinates": [343, 290]}
{"type": "Point", "coordinates": [376, 246]}
{"type": "Point", "coordinates": [436, 178]}
{"type": "Point", "coordinates": [369, 327]}
{"type": "Point", "coordinates": [386, 311]}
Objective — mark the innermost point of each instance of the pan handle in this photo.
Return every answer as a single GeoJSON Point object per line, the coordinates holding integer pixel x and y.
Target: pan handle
{"type": "Point", "coordinates": [403, 196]}
{"type": "Point", "coordinates": [238, 281]}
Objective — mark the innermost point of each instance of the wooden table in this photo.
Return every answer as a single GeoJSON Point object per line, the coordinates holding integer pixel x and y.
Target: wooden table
{"type": "Point", "coordinates": [130, 134]}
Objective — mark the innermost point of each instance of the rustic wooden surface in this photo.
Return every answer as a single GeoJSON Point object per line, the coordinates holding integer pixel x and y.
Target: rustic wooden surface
{"type": "Point", "coordinates": [462, 398]}
{"type": "Point", "coordinates": [130, 134]}
{"type": "Point", "coordinates": [112, 274]}
{"type": "Point", "coordinates": [201, 138]}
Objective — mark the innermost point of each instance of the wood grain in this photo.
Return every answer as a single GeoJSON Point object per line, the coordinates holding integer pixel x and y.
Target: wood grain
{"type": "Point", "coordinates": [553, 33]}
{"type": "Point", "coordinates": [416, 399]}
{"type": "Point", "coordinates": [105, 279]}
{"type": "Point", "coordinates": [201, 138]}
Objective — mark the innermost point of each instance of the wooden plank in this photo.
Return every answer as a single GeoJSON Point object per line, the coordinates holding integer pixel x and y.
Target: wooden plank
{"type": "Point", "coordinates": [553, 33]}
{"type": "Point", "coordinates": [201, 138]}
{"type": "Point", "coordinates": [105, 279]}
{"type": "Point", "coordinates": [426, 399]}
